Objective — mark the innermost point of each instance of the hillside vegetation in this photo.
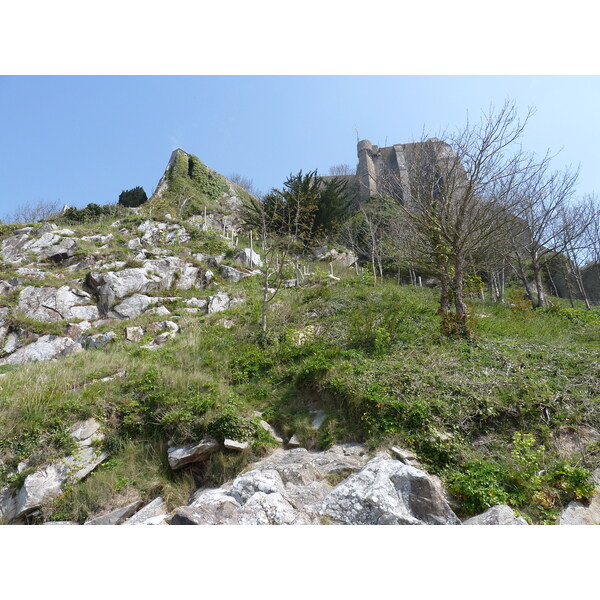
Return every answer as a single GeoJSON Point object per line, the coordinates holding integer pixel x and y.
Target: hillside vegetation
{"type": "Point", "coordinates": [191, 336]}
{"type": "Point", "coordinates": [485, 414]}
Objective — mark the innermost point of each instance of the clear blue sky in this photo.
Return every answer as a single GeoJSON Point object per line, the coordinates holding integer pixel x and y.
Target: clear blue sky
{"type": "Point", "coordinates": [84, 139]}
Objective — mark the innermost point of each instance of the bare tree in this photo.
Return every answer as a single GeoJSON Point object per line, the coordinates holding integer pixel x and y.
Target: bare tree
{"type": "Point", "coordinates": [574, 223]}
{"type": "Point", "coordinates": [544, 200]}
{"type": "Point", "coordinates": [461, 197]}
{"type": "Point", "coordinates": [340, 170]}
{"type": "Point", "coordinates": [244, 182]}
{"type": "Point", "coordinates": [33, 213]}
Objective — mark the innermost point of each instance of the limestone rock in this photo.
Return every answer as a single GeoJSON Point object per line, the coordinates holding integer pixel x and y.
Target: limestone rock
{"type": "Point", "coordinates": [235, 445]}
{"type": "Point", "coordinates": [180, 456]}
{"type": "Point", "coordinates": [134, 334]}
{"type": "Point", "coordinates": [45, 348]}
{"type": "Point", "coordinates": [156, 508]}
{"type": "Point", "coordinates": [234, 274]}
{"type": "Point", "coordinates": [8, 505]}
{"type": "Point", "coordinates": [133, 306]}
{"type": "Point", "coordinates": [100, 340]}
{"type": "Point", "coordinates": [294, 442]}
{"type": "Point", "coordinates": [496, 515]}
{"type": "Point", "coordinates": [405, 456]}
{"type": "Point", "coordinates": [162, 326]}
{"type": "Point", "coordinates": [50, 304]}
{"type": "Point", "coordinates": [388, 492]}
{"type": "Point", "coordinates": [64, 249]}
{"type": "Point", "coordinates": [116, 517]}
{"type": "Point", "coordinates": [218, 303]}
{"type": "Point", "coordinates": [249, 258]}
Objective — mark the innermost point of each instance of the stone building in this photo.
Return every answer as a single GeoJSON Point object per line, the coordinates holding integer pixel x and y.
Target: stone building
{"type": "Point", "coordinates": [382, 168]}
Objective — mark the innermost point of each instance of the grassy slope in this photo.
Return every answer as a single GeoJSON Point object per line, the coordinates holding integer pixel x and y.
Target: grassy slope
{"type": "Point", "coordinates": [477, 413]}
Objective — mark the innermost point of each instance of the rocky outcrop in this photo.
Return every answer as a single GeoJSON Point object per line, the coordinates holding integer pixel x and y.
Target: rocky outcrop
{"type": "Point", "coordinates": [45, 348]}
{"type": "Point", "coordinates": [155, 275]}
{"type": "Point", "coordinates": [388, 492]}
{"type": "Point", "coordinates": [234, 274]}
{"type": "Point", "coordinates": [52, 304]}
{"type": "Point", "coordinates": [297, 487]}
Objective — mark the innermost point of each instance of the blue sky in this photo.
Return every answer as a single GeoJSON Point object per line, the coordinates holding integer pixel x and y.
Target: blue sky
{"type": "Point", "coordinates": [84, 139]}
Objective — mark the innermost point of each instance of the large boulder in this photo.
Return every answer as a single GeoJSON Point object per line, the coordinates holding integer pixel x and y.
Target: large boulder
{"type": "Point", "coordinates": [52, 304]}
{"type": "Point", "coordinates": [45, 348]}
{"type": "Point", "coordinates": [388, 492]}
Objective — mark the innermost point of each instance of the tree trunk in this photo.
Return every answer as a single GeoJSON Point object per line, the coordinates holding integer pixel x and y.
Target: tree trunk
{"type": "Point", "coordinates": [265, 302]}
{"type": "Point", "coordinates": [539, 285]}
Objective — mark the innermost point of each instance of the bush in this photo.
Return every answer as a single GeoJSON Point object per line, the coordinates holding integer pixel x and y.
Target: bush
{"type": "Point", "coordinates": [133, 198]}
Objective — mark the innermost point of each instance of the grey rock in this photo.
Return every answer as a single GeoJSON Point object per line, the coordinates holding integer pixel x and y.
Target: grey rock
{"type": "Point", "coordinates": [100, 340]}
{"type": "Point", "coordinates": [180, 456]}
{"type": "Point", "coordinates": [156, 508]}
{"type": "Point", "coordinates": [8, 505]}
{"type": "Point", "coordinates": [496, 515]}
{"type": "Point", "coordinates": [63, 250]}
{"type": "Point", "coordinates": [134, 306]}
{"type": "Point", "coordinates": [45, 348]}
{"type": "Point", "coordinates": [405, 456]}
{"type": "Point", "coordinates": [84, 430]}
{"type": "Point", "coordinates": [235, 445]}
{"type": "Point", "coordinates": [249, 258]}
{"type": "Point", "coordinates": [162, 326]}
{"type": "Point", "coordinates": [50, 304]}
{"type": "Point", "coordinates": [294, 442]}
{"type": "Point", "coordinates": [117, 516]}
{"type": "Point", "coordinates": [388, 492]}
{"type": "Point", "coordinates": [234, 274]}
{"type": "Point", "coordinates": [218, 303]}
{"type": "Point", "coordinates": [161, 311]}
{"type": "Point", "coordinates": [134, 334]}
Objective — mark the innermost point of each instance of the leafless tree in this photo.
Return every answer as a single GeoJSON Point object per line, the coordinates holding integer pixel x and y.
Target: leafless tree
{"type": "Point", "coordinates": [30, 212]}
{"type": "Point", "coordinates": [542, 209]}
{"type": "Point", "coordinates": [339, 170]}
{"type": "Point", "coordinates": [574, 222]}
{"type": "Point", "coordinates": [244, 182]}
{"type": "Point", "coordinates": [461, 197]}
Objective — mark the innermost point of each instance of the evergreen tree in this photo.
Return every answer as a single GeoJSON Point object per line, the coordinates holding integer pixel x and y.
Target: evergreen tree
{"type": "Point", "coordinates": [133, 198]}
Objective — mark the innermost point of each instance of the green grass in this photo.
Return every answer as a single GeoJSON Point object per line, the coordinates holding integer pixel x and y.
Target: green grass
{"type": "Point", "coordinates": [373, 360]}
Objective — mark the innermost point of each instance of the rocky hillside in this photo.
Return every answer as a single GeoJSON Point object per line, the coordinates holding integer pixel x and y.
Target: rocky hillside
{"type": "Point", "coordinates": [134, 390]}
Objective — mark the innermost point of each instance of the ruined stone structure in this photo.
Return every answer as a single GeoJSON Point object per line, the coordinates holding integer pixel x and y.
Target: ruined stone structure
{"type": "Point", "coordinates": [378, 168]}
